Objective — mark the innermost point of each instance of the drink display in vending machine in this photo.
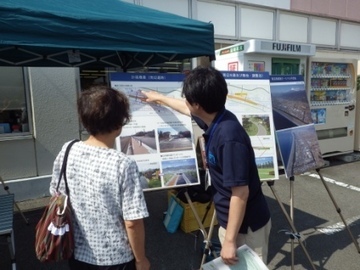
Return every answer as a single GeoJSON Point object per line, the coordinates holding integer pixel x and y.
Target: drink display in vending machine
{"type": "Point", "coordinates": [332, 102]}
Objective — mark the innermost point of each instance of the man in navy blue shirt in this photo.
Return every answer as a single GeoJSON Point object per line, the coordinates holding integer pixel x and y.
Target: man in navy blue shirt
{"type": "Point", "coordinates": [241, 208]}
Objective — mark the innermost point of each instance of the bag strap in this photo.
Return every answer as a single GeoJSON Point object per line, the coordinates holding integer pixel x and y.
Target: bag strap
{"type": "Point", "coordinates": [63, 168]}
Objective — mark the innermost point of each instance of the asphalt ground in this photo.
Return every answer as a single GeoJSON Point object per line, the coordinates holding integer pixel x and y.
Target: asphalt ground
{"type": "Point", "coordinates": [320, 239]}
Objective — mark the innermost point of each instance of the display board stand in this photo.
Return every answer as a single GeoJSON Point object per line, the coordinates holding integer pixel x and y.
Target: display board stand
{"type": "Point", "coordinates": [293, 234]}
{"type": "Point", "coordinates": [338, 210]}
{"type": "Point", "coordinates": [296, 139]}
{"type": "Point", "coordinates": [207, 235]}
{"type": "Point", "coordinates": [6, 188]}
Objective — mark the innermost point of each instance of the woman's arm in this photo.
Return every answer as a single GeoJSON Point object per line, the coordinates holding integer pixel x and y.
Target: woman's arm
{"type": "Point", "coordinates": [136, 233]}
{"type": "Point", "coordinates": [55, 174]}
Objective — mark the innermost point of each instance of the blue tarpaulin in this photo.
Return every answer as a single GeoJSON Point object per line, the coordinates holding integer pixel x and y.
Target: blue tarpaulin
{"type": "Point", "coordinates": [97, 33]}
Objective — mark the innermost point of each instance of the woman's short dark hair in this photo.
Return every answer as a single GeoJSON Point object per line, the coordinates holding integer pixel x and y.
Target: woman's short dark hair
{"type": "Point", "coordinates": [207, 87]}
{"type": "Point", "coordinates": [103, 109]}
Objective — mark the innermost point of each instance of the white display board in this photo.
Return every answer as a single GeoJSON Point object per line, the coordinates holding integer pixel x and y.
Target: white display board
{"type": "Point", "coordinates": [295, 131]}
{"type": "Point", "coordinates": [249, 98]}
{"type": "Point", "coordinates": [158, 138]}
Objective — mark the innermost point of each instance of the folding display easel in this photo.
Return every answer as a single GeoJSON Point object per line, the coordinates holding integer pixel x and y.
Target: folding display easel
{"type": "Point", "coordinates": [208, 250]}
{"type": "Point", "coordinates": [338, 210]}
{"type": "Point", "coordinates": [290, 219]}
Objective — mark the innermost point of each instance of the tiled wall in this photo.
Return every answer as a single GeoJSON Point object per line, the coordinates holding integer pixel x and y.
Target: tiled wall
{"type": "Point", "coordinates": [339, 9]}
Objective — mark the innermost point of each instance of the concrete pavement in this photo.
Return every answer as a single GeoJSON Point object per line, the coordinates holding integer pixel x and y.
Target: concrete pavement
{"type": "Point", "coordinates": [316, 220]}
{"type": "Point", "coordinates": [317, 215]}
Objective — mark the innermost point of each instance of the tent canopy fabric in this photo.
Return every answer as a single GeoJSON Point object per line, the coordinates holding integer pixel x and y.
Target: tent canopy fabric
{"type": "Point", "coordinates": [106, 33]}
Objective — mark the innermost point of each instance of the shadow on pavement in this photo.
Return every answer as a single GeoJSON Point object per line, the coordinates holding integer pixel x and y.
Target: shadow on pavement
{"type": "Point", "coordinates": [183, 251]}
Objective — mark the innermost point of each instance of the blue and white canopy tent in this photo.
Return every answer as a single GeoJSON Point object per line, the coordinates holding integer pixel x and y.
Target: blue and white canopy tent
{"type": "Point", "coordinates": [107, 33]}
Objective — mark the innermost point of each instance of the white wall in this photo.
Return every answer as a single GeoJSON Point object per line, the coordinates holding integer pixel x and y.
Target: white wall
{"type": "Point", "coordinates": [17, 158]}
{"type": "Point", "coordinates": [178, 7]}
{"type": "Point", "coordinates": [323, 31]}
{"type": "Point", "coordinates": [54, 94]}
{"type": "Point", "coordinates": [222, 16]}
{"type": "Point", "coordinates": [28, 159]}
{"type": "Point", "coordinates": [293, 28]}
{"type": "Point", "coordinates": [282, 4]}
{"type": "Point", "coordinates": [264, 26]}
{"type": "Point", "coordinates": [350, 35]}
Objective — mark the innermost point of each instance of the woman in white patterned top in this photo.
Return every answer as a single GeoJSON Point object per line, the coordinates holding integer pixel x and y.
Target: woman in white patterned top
{"type": "Point", "coordinates": [106, 196]}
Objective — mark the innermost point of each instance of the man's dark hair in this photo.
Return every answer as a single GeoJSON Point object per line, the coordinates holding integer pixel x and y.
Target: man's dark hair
{"type": "Point", "coordinates": [102, 109]}
{"type": "Point", "coordinates": [207, 87]}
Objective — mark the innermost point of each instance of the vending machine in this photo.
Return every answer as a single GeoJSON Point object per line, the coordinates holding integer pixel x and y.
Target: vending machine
{"type": "Point", "coordinates": [332, 96]}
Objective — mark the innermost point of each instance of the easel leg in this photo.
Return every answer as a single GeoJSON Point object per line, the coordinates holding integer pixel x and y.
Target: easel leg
{"type": "Point", "coordinates": [292, 219]}
{"type": "Point", "coordinates": [6, 188]}
{"type": "Point", "coordinates": [207, 247]}
{"type": "Point", "coordinates": [207, 236]}
{"type": "Point", "coordinates": [271, 184]}
{"type": "Point", "coordinates": [338, 210]}
{"type": "Point", "coordinates": [201, 226]}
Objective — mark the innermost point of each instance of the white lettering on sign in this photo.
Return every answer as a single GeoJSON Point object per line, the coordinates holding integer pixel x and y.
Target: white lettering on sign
{"type": "Point", "coordinates": [286, 47]}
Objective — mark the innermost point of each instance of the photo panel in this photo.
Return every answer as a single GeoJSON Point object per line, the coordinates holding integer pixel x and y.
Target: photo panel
{"type": "Point", "coordinates": [294, 124]}
{"type": "Point", "coordinates": [299, 149]}
{"type": "Point", "coordinates": [157, 136]}
{"type": "Point", "coordinates": [249, 98]}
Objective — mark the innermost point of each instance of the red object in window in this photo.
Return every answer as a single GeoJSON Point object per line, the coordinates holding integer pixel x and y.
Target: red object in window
{"type": "Point", "coordinates": [15, 128]}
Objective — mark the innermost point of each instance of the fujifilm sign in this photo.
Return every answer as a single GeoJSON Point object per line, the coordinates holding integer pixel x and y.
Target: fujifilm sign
{"type": "Point", "coordinates": [286, 47]}
{"type": "Point", "coordinates": [265, 46]}
{"type": "Point", "coordinates": [269, 47]}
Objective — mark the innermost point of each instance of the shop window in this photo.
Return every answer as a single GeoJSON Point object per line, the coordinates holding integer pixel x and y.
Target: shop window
{"type": "Point", "coordinates": [14, 119]}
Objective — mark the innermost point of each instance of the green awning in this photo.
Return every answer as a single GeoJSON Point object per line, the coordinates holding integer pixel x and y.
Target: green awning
{"type": "Point", "coordinates": [106, 33]}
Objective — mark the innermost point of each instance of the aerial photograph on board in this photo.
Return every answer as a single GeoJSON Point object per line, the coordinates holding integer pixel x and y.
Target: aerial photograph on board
{"type": "Point", "coordinates": [295, 130]}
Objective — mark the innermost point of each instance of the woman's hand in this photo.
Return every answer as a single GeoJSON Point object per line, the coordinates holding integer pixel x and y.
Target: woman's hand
{"type": "Point", "coordinates": [143, 264]}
